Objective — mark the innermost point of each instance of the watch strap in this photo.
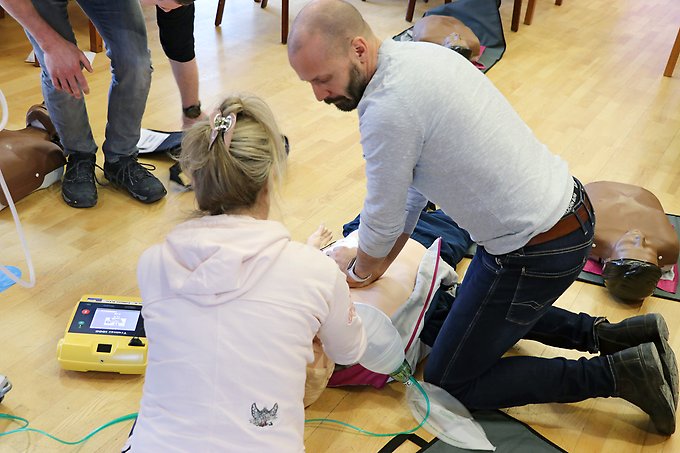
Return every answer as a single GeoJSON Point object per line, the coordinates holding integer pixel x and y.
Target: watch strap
{"type": "Point", "coordinates": [353, 275]}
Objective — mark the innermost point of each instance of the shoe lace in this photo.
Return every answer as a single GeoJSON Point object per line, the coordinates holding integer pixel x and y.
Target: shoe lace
{"type": "Point", "coordinates": [134, 171]}
{"type": "Point", "coordinates": [80, 170]}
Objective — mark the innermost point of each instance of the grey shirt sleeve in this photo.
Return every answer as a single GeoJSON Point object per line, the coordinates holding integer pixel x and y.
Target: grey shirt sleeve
{"type": "Point", "coordinates": [392, 141]}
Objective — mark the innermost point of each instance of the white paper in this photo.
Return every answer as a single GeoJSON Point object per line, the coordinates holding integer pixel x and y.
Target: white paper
{"type": "Point", "coordinates": [89, 55]}
{"type": "Point", "coordinates": [149, 141]}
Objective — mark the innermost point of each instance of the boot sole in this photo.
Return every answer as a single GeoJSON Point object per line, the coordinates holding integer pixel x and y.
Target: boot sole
{"type": "Point", "coordinates": [670, 367]}
{"type": "Point", "coordinates": [75, 204]}
{"type": "Point", "coordinates": [137, 197]}
{"type": "Point", "coordinates": [667, 356]}
{"type": "Point", "coordinates": [664, 421]}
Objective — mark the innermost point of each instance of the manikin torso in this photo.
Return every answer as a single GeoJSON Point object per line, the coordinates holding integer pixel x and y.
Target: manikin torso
{"type": "Point", "coordinates": [446, 31]}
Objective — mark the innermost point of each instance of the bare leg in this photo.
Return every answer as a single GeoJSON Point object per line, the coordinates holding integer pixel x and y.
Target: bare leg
{"type": "Point", "coordinates": [186, 77]}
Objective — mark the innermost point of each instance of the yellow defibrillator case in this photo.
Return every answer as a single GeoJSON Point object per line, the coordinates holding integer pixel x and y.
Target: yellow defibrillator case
{"type": "Point", "coordinates": [105, 333]}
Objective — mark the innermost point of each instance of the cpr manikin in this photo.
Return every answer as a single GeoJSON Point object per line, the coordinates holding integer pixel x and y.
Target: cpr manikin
{"type": "Point", "coordinates": [388, 293]}
{"type": "Point", "coordinates": [448, 32]}
{"type": "Point", "coordinates": [633, 238]}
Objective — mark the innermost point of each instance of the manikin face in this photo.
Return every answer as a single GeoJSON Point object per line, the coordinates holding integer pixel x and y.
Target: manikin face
{"type": "Point", "coordinates": [335, 79]}
{"type": "Point", "coordinates": [634, 245]}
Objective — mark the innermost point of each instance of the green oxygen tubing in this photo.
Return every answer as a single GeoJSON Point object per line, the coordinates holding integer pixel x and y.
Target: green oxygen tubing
{"type": "Point", "coordinates": [26, 428]}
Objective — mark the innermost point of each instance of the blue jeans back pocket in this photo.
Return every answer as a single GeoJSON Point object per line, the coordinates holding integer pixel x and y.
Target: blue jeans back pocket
{"type": "Point", "coordinates": [536, 291]}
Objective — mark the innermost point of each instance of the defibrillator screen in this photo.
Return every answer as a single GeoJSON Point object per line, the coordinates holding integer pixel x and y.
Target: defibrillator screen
{"type": "Point", "coordinates": [110, 318]}
{"type": "Point", "coordinates": [105, 318]}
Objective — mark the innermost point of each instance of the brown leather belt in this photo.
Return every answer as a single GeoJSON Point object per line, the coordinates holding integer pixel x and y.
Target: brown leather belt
{"type": "Point", "coordinates": [567, 224]}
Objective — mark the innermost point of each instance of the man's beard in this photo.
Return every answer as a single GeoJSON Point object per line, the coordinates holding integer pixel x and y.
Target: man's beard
{"type": "Point", "coordinates": [355, 91]}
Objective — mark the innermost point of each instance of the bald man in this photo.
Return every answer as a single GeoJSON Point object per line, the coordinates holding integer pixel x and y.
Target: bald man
{"type": "Point", "coordinates": [434, 127]}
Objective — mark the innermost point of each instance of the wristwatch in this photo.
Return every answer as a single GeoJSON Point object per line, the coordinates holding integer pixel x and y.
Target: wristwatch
{"type": "Point", "coordinates": [353, 275]}
{"type": "Point", "coordinates": [193, 111]}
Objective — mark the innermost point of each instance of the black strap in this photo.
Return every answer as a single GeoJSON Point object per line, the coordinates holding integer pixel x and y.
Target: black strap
{"type": "Point", "coordinates": [399, 440]}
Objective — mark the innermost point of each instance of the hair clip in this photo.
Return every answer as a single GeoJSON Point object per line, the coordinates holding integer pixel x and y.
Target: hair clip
{"type": "Point", "coordinates": [222, 125]}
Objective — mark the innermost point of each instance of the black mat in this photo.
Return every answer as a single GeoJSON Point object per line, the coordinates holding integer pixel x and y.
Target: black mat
{"type": "Point", "coordinates": [506, 433]}
{"type": "Point", "coordinates": [597, 280]}
{"type": "Point", "coordinates": [482, 17]}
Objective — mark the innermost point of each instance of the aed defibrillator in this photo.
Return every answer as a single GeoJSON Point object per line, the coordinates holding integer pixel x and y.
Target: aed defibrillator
{"type": "Point", "coordinates": [105, 333]}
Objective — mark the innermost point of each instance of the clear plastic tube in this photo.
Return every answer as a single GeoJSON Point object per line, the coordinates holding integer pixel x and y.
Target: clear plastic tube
{"type": "Point", "coordinates": [15, 215]}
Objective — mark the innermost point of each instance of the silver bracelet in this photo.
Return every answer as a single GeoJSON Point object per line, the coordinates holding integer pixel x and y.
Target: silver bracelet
{"type": "Point", "coordinates": [352, 275]}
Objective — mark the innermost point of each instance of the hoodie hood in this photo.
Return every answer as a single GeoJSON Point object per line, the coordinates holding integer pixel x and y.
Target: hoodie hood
{"type": "Point", "coordinates": [222, 256]}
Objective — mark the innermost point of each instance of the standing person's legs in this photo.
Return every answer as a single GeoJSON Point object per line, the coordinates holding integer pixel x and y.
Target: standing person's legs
{"type": "Point", "coordinates": [122, 26]}
{"type": "Point", "coordinates": [176, 32]}
{"type": "Point", "coordinates": [69, 116]}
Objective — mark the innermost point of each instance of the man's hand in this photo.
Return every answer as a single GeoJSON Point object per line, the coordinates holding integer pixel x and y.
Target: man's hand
{"type": "Point", "coordinates": [64, 62]}
{"type": "Point", "coordinates": [343, 256]}
{"type": "Point", "coordinates": [62, 59]}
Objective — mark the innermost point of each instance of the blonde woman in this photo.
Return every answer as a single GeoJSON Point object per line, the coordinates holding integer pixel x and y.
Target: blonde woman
{"type": "Point", "coordinates": [232, 304]}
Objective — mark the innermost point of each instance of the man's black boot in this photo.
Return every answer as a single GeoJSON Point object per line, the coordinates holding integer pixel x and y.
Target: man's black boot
{"type": "Point", "coordinates": [78, 185]}
{"type": "Point", "coordinates": [639, 379]}
{"type": "Point", "coordinates": [130, 175]}
{"type": "Point", "coordinates": [614, 337]}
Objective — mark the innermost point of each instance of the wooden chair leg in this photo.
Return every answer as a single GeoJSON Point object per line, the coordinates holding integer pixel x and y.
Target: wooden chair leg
{"type": "Point", "coordinates": [220, 12]}
{"type": "Point", "coordinates": [284, 21]}
{"type": "Point", "coordinates": [410, 9]}
{"type": "Point", "coordinates": [529, 15]}
{"type": "Point", "coordinates": [558, 2]}
{"type": "Point", "coordinates": [673, 57]}
{"type": "Point", "coordinates": [96, 44]}
{"type": "Point", "coordinates": [516, 12]}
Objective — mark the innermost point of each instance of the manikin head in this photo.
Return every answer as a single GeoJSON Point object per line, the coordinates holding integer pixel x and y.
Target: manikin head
{"type": "Point", "coordinates": [233, 165]}
{"type": "Point", "coordinates": [632, 271]}
{"type": "Point", "coordinates": [331, 47]}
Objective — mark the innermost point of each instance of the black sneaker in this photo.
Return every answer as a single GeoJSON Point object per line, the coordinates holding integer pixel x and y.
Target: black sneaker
{"type": "Point", "coordinates": [78, 185]}
{"type": "Point", "coordinates": [132, 176]}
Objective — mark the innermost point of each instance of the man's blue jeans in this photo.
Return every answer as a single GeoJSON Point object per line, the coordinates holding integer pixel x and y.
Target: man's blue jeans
{"type": "Point", "coordinates": [121, 24]}
{"type": "Point", "coordinates": [503, 299]}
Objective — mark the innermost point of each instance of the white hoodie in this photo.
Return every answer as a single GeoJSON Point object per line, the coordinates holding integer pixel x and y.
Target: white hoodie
{"type": "Point", "coordinates": [231, 306]}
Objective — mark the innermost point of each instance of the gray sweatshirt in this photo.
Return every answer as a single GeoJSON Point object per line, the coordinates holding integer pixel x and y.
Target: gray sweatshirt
{"type": "Point", "coordinates": [434, 127]}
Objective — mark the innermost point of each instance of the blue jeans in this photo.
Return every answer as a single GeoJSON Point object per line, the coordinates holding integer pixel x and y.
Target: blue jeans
{"type": "Point", "coordinates": [503, 299]}
{"type": "Point", "coordinates": [122, 27]}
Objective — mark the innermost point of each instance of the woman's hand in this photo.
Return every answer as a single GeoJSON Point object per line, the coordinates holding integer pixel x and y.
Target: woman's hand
{"type": "Point", "coordinates": [320, 237]}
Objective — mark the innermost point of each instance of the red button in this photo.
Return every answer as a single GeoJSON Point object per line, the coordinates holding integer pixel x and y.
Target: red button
{"type": "Point", "coordinates": [85, 311]}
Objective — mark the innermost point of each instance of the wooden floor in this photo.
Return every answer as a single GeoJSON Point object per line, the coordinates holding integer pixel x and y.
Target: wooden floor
{"type": "Point", "coordinates": [586, 76]}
